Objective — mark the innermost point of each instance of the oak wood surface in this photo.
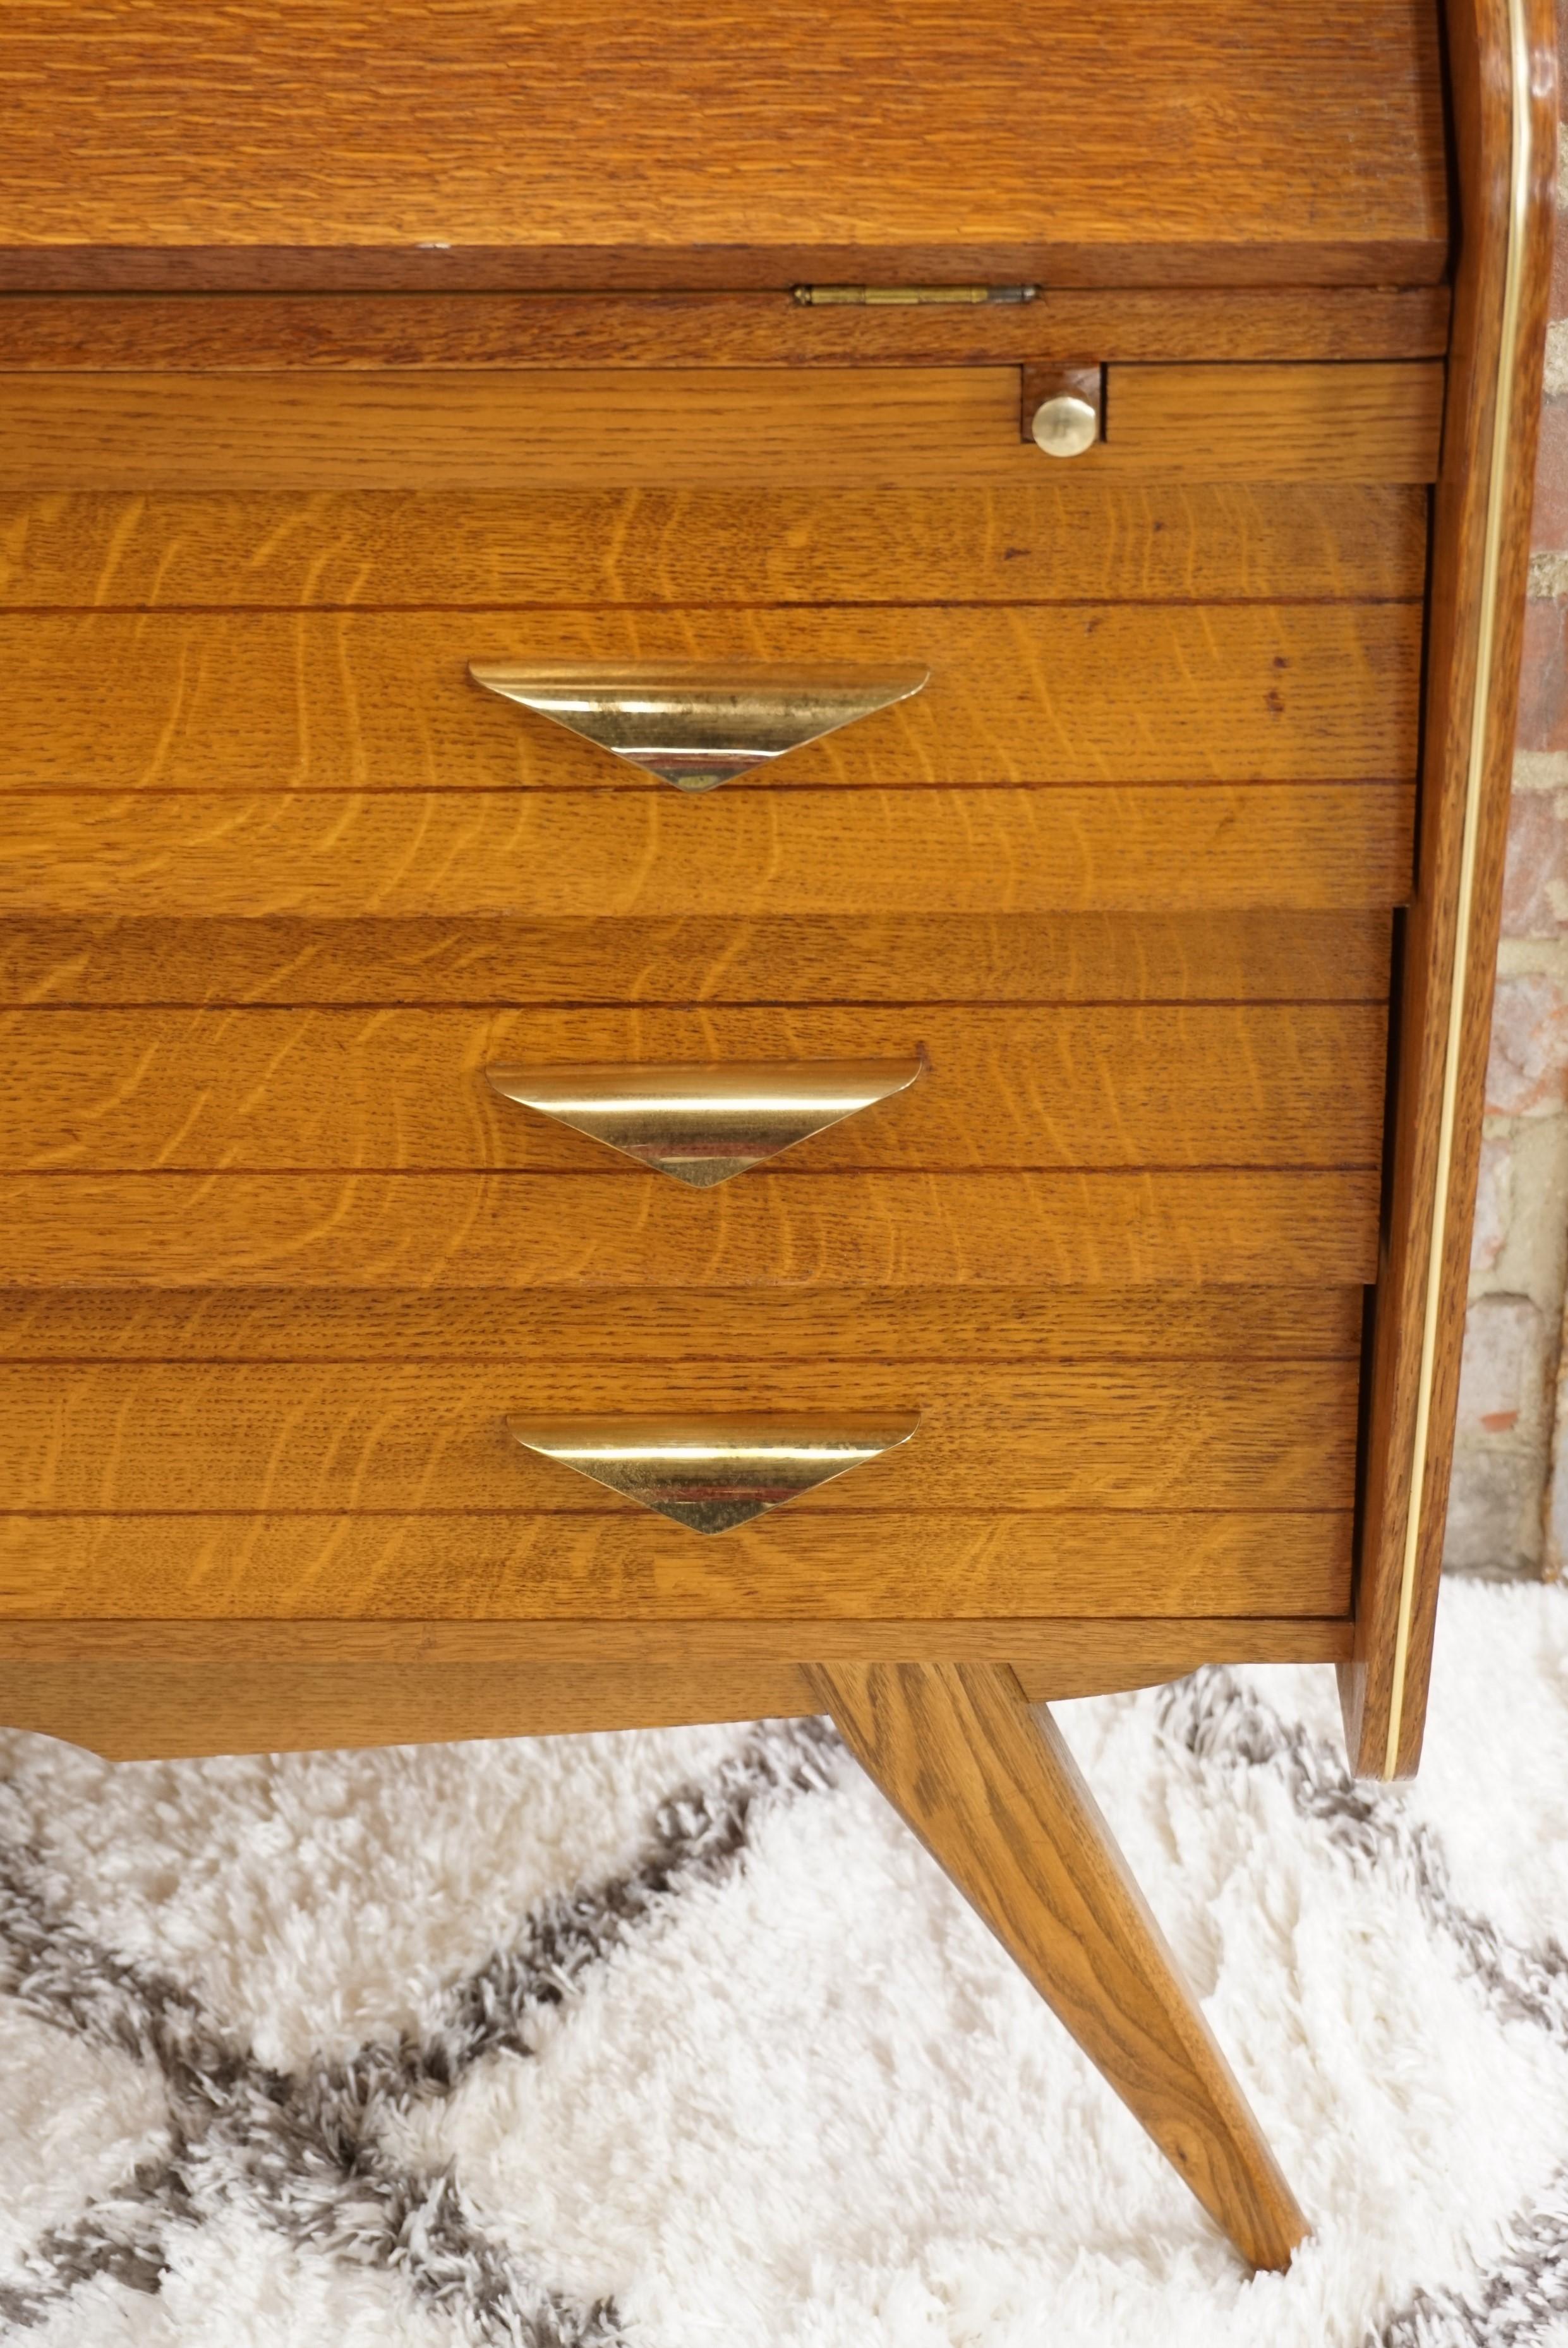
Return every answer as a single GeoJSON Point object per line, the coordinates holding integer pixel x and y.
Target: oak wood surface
{"type": "Point", "coordinates": [1054, 1657]}
{"type": "Point", "coordinates": [1337, 423]}
{"type": "Point", "coordinates": [395, 1089]}
{"type": "Point", "coordinates": [1040, 694]}
{"type": "Point", "coordinates": [770, 1230]}
{"type": "Point", "coordinates": [789, 1582]}
{"type": "Point", "coordinates": [554, 1326]}
{"type": "Point", "coordinates": [191, 332]}
{"type": "Point", "coordinates": [398, 147]}
{"type": "Point", "coordinates": [1058, 538]}
{"type": "Point", "coordinates": [551, 855]}
{"type": "Point", "coordinates": [1420, 1324]}
{"type": "Point", "coordinates": [167, 1710]}
{"type": "Point", "coordinates": [585, 429]}
{"type": "Point", "coordinates": [254, 1693]}
{"type": "Point", "coordinates": [416, 1437]}
{"type": "Point", "coordinates": [1274, 957]}
{"type": "Point", "coordinates": [996, 1798]}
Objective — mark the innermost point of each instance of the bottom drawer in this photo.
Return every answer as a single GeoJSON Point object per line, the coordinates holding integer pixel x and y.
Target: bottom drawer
{"type": "Point", "coordinates": [1190, 1453]}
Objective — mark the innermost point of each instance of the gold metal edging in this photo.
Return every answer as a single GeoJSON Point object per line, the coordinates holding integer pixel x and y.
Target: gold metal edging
{"type": "Point", "coordinates": [1518, 176]}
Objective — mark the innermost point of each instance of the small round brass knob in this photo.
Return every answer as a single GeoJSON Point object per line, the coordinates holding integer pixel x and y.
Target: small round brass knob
{"type": "Point", "coordinates": [1065, 427]}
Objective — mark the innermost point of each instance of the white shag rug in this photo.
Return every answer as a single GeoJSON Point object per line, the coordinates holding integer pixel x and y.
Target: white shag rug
{"type": "Point", "coordinates": [678, 2039]}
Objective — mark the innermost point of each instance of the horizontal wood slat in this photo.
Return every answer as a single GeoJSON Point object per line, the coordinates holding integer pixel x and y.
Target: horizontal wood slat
{"type": "Point", "coordinates": [1051, 1651]}
{"type": "Point", "coordinates": [1257, 422]}
{"type": "Point", "coordinates": [563, 854]}
{"type": "Point", "coordinates": [161, 1710]}
{"type": "Point", "coordinates": [1275, 1084]}
{"type": "Point", "coordinates": [771, 1228]}
{"type": "Point", "coordinates": [385, 1436]}
{"type": "Point", "coordinates": [1082, 325]}
{"type": "Point", "coordinates": [630, 1574]}
{"type": "Point", "coordinates": [552, 1327]}
{"type": "Point", "coordinates": [259, 700]}
{"type": "Point", "coordinates": [1004, 958]}
{"type": "Point", "coordinates": [686, 427]}
{"type": "Point", "coordinates": [1064, 539]}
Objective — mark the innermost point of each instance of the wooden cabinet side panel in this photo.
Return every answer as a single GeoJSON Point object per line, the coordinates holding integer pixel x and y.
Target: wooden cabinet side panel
{"type": "Point", "coordinates": [1444, 1027]}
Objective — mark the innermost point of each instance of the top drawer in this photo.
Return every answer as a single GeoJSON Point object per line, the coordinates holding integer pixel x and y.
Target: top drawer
{"type": "Point", "coordinates": [337, 765]}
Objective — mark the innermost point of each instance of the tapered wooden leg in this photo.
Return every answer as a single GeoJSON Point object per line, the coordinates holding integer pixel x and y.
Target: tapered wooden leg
{"type": "Point", "coordinates": [997, 1799]}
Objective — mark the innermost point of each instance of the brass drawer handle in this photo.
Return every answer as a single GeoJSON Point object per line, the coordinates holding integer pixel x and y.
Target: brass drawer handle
{"type": "Point", "coordinates": [705, 1122]}
{"type": "Point", "coordinates": [695, 725]}
{"type": "Point", "coordinates": [709, 1474]}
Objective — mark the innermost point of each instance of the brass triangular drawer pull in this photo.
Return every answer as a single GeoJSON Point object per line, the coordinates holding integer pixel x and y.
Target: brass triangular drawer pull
{"type": "Point", "coordinates": [709, 1474]}
{"type": "Point", "coordinates": [703, 1122]}
{"type": "Point", "coordinates": [698, 724]}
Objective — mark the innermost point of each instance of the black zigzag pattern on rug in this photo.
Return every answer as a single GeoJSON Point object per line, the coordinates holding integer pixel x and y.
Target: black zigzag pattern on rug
{"type": "Point", "coordinates": [1223, 1724]}
{"type": "Point", "coordinates": [301, 2148]}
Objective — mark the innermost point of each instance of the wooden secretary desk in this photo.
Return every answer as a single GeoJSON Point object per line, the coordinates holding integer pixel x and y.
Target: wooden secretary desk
{"type": "Point", "coordinates": [753, 778]}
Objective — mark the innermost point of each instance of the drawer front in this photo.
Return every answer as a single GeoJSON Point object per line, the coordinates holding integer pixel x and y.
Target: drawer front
{"type": "Point", "coordinates": [1117, 693]}
{"type": "Point", "coordinates": [1197, 1085]}
{"type": "Point", "coordinates": [1152, 1454]}
{"type": "Point", "coordinates": [1113, 1452]}
{"type": "Point", "coordinates": [118, 1436]}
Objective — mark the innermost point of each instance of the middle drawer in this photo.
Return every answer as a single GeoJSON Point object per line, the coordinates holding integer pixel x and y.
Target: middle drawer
{"type": "Point", "coordinates": [395, 1089]}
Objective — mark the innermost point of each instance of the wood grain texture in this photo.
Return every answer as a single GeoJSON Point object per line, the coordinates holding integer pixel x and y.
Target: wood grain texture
{"type": "Point", "coordinates": [1341, 423]}
{"type": "Point", "coordinates": [1419, 1325]}
{"type": "Point", "coordinates": [193, 333]}
{"type": "Point", "coordinates": [993, 1793]}
{"type": "Point", "coordinates": [1054, 1657]}
{"type": "Point", "coordinates": [401, 1090]}
{"type": "Point", "coordinates": [551, 1327]}
{"type": "Point", "coordinates": [1040, 693]}
{"type": "Point", "coordinates": [409, 1438]}
{"type": "Point", "coordinates": [772, 1230]}
{"type": "Point", "coordinates": [933, 1572]}
{"type": "Point", "coordinates": [553, 855]}
{"type": "Point", "coordinates": [164, 1710]}
{"type": "Point", "coordinates": [584, 428]}
{"type": "Point", "coordinates": [1061, 539]}
{"type": "Point", "coordinates": [1274, 957]}
{"type": "Point", "coordinates": [393, 146]}
{"type": "Point", "coordinates": [134, 1690]}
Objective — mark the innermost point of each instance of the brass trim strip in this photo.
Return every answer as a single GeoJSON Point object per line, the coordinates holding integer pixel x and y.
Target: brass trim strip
{"type": "Point", "coordinates": [710, 1474]}
{"type": "Point", "coordinates": [1521, 159]}
{"type": "Point", "coordinates": [705, 1122]}
{"type": "Point", "coordinates": [696, 724]}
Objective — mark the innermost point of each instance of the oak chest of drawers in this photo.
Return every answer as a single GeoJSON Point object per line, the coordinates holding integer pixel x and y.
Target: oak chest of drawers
{"type": "Point", "coordinates": [752, 812]}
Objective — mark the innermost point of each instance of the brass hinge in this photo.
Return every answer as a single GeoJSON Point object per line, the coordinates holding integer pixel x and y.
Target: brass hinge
{"type": "Point", "coordinates": [819, 297]}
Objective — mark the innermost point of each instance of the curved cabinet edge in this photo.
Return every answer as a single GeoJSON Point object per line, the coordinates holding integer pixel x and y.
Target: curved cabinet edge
{"type": "Point", "coordinates": [1503, 60]}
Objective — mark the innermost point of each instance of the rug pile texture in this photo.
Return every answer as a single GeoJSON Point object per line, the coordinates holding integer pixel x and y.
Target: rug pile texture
{"type": "Point", "coordinates": [678, 2039]}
